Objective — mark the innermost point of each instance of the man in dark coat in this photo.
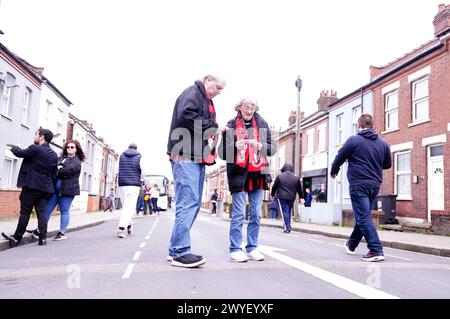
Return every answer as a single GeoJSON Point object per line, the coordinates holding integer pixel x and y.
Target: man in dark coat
{"type": "Point", "coordinates": [36, 177]}
{"type": "Point", "coordinates": [367, 156]}
{"type": "Point", "coordinates": [286, 187]}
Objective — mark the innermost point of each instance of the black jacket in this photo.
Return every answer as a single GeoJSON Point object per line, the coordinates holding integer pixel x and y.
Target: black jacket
{"type": "Point", "coordinates": [287, 185]}
{"type": "Point", "coordinates": [191, 115]}
{"type": "Point", "coordinates": [38, 168]}
{"type": "Point", "coordinates": [69, 175]}
{"type": "Point", "coordinates": [367, 156]}
{"type": "Point", "coordinates": [227, 150]}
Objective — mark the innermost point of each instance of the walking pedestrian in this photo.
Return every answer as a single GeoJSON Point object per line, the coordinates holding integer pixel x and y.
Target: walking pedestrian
{"type": "Point", "coordinates": [194, 117]}
{"type": "Point", "coordinates": [308, 197]}
{"type": "Point", "coordinates": [367, 155]}
{"type": "Point", "coordinates": [214, 198]}
{"type": "Point", "coordinates": [67, 186]}
{"type": "Point", "coordinates": [140, 200]}
{"type": "Point", "coordinates": [112, 198]}
{"type": "Point", "coordinates": [154, 198]}
{"type": "Point", "coordinates": [148, 200]}
{"type": "Point", "coordinates": [245, 147]}
{"type": "Point", "coordinates": [129, 187]}
{"type": "Point", "coordinates": [36, 176]}
{"type": "Point", "coordinates": [286, 187]}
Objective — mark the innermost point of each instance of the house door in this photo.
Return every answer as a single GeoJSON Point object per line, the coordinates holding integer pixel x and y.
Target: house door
{"type": "Point", "coordinates": [435, 179]}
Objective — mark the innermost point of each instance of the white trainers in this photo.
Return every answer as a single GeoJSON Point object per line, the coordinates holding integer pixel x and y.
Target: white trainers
{"type": "Point", "coordinates": [255, 255]}
{"type": "Point", "coordinates": [121, 234]}
{"type": "Point", "coordinates": [169, 258]}
{"type": "Point", "coordinates": [238, 256]}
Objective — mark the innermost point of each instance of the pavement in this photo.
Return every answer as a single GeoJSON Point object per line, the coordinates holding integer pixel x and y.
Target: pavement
{"type": "Point", "coordinates": [421, 243]}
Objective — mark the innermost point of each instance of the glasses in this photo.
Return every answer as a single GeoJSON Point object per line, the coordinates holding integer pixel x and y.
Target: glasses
{"type": "Point", "coordinates": [71, 147]}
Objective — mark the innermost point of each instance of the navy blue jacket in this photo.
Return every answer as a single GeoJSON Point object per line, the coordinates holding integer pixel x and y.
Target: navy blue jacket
{"type": "Point", "coordinates": [191, 105]}
{"type": "Point", "coordinates": [38, 168]}
{"type": "Point", "coordinates": [69, 175]}
{"type": "Point", "coordinates": [367, 156]}
{"type": "Point", "coordinates": [130, 168]}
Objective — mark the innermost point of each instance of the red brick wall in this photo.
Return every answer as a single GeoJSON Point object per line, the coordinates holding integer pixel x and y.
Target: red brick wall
{"type": "Point", "coordinates": [9, 203]}
{"type": "Point", "coordinates": [439, 110]}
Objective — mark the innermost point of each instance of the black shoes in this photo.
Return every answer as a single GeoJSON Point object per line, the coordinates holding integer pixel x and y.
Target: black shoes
{"type": "Point", "coordinates": [13, 241]}
{"type": "Point", "coordinates": [60, 236]}
{"type": "Point", "coordinates": [286, 231]}
{"type": "Point", "coordinates": [188, 261]}
{"type": "Point", "coordinates": [34, 233]}
{"type": "Point", "coordinates": [42, 241]}
{"type": "Point", "coordinates": [372, 256]}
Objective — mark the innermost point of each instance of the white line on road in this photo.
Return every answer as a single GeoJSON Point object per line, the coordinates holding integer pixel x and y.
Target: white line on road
{"type": "Point", "coordinates": [128, 271]}
{"type": "Point", "coordinates": [136, 255]}
{"type": "Point", "coordinates": [407, 259]}
{"type": "Point", "coordinates": [147, 237]}
{"type": "Point", "coordinates": [317, 241]}
{"type": "Point", "coordinates": [341, 282]}
{"type": "Point", "coordinates": [142, 245]}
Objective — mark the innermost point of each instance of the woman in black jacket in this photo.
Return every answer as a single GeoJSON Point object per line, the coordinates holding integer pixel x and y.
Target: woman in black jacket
{"type": "Point", "coordinates": [67, 185]}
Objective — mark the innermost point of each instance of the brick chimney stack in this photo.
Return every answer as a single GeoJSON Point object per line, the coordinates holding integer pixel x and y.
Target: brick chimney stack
{"type": "Point", "coordinates": [326, 98]}
{"type": "Point", "coordinates": [292, 118]}
{"type": "Point", "coordinates": [441, 21]}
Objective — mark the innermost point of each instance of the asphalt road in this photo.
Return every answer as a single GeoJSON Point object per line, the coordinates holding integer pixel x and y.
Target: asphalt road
{"type": "Point", "coordinates": [94, 263]}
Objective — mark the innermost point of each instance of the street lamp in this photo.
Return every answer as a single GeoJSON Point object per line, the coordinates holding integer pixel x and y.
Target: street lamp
{"type": "Point", "coordinates": [298, 137]}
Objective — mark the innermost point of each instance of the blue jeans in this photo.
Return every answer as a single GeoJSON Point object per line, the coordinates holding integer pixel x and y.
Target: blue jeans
{"type": "Point", "coordinates": [362, 200]}
{"type": "Point", "coordinates": [155, 205]}
{"type": "Point", "coordinates": [139, 205]}
{"type": "Point", "coordinates": [286, 207]}
{"type": "Point", "coordinates": [237, 219]}
{"type": "Point", "coordinates": [189, 178]}
{"type": "Point", "coordinates": [273, 213]}
{"type": "Point", "coordinates": [64, 203]}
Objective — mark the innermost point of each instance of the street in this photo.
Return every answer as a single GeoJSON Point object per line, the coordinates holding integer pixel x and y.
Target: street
{"type": "Point", "coordinates": [94, 263]}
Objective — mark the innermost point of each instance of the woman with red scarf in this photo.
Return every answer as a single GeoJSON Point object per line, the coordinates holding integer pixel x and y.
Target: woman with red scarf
{"type": "Point", "coordinates": [245, 146]}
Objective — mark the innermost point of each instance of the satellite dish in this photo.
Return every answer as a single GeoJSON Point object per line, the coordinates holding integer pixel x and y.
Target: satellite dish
{"type": "Point", "coordinates": [9, 80]}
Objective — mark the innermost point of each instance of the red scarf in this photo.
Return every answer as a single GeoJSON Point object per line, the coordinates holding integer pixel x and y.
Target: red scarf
{"type": "Point", "coordinates": [249, 155]}
{"type": "Point", "coordinates": [211, 158]}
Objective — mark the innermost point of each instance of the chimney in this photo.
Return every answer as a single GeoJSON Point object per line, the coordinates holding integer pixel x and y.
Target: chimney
{"type": "Point", "coordinates": [292, 118]}
{"type": "Point", "coordinates": [441, 21]}
{"type": "Point", "coordinates": [326, 98]}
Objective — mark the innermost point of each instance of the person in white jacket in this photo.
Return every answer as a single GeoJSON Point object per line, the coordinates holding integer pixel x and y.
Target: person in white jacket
{"type": "Point", "coordinates": [155, 195]}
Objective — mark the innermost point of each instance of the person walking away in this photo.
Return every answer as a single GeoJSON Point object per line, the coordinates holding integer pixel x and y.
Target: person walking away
{"type": "Point", "coordinates": [308, 198]}
{"type": "Point", "coordinates": [245, 147]}
{"type": "Point", "coordinates": [129, 187]}
{"type": "Point", "coordinates": [214, 198]}
{"type": "Point", "coordinates": [367, 155]}
{"type": "Point", "coordinates": [36, 176]}
{"type": "Point", "coordinates": [140, 200]}
{"type": "Point", "coordinates": [112, 198]}
{"type": "Point", "coordinates": [191, 145]}
{"type": "Point", "coordinates": [286, 187]}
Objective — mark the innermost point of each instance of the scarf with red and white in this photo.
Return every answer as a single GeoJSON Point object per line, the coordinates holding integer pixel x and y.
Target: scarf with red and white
{"type": "Point", "coordinates": [249, 155]}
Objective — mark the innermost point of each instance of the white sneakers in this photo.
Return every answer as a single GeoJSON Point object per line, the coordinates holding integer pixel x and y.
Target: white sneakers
{"type": "Point", "coordinates": [241, 256]}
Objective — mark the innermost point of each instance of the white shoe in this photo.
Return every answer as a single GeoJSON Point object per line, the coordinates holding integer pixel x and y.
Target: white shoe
{"type": "Point", "coordinates": [255, 255]}
{"type": "Point", "coordinates": [238, 256]}
{"type": "Point", "coordinates": [169, 258]}
{"type": "Point", "coordinates": [121, 234]}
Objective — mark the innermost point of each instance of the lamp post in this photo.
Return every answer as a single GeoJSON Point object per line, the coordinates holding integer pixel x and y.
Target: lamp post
{"type": "Point", "coordinates": [298, 138]}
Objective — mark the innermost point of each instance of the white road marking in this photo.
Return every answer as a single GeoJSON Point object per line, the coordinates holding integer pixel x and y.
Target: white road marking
{"type": "Point", "coordinates": [341, 282]}
{"type": "Point", "coordinates": [136, 255]}
{"type": "Point", "coordinates": [147, 237]}
{"type": "Point", "coordinates": [407, 259]}
{"type": "Point", "coordinates": [315, 240]}
{"type": "Point", "coordinates": [128, 271]}
{"type": "Point", "coordinates": [142, 245]}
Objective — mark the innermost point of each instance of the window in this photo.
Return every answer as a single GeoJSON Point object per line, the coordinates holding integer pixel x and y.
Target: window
{"type": "Point", "coordinates": [59, 121]}
{"type": "Point", "coordinates": [26, 106]}
{"type": "Point", "coordinates": [322, 137]}
{"type": "Point", "coordinates": [403, 174]}
{"type": "Point", "coordinates": [391, 109]}
{"type": "Point", "coordinates": [420, 100]}
{"type": "Point", "coordinates": [339, 129]}
{"type": "Point", "coordinates": [7, 172]}
{"type": "Point", "coordinates": [356, 114]}
{"type": "Point", "coordinates": [6, 98]}
{"type": "Point", "coordinates": [310, 141]}
{"type": "Point", "coordinates": [48, 115]}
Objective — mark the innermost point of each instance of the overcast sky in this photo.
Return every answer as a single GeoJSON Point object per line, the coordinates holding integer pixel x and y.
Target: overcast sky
{"type": "Point", "coordinates": [124, 63]}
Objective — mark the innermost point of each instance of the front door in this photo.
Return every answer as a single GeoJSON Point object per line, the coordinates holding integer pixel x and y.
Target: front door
{"type": "Point", "coordinates": [435, 179]}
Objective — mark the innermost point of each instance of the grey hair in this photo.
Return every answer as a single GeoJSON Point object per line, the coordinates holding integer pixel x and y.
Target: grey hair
{"type": "Point", "coordinates": [215, 77]}
{"type": "Point", "coordinates": [247, 100]}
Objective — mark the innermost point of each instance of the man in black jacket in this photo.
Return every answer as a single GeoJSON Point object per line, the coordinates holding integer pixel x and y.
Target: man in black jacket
{"type": "Point", "coordinates": [367, 156]}
{"type": "Point", "coordinates": [36, 178]}
{"type": "Point", "coordinates": [192, 138]}
{"type": "Point", "coordinates": [286, 187]}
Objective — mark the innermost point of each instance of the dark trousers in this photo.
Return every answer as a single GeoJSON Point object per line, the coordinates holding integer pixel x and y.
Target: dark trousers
{"type": "Point", "coordinates": [214, 208]}
{"type": "Point", "coordinates": [286, 207]}
{"type": "Point", "coordinates": [362, 198]}
{"type": "Point", "coordinates": [147, 206]}
{"type": "Point", "coordinates": [139, 204]}
{"type": "Point", "coordinates": [155, 205]}
{"type": "Point", "coordinates": [30, 198]}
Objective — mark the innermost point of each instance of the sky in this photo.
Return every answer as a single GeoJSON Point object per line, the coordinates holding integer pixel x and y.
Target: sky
{"type": "Point", "coordinates": [124, 63]}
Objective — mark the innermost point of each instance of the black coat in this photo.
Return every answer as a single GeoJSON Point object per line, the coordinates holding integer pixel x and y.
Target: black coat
{"type": "Point", "coordinates": [38, 168]}
{"type": "Point", "coordinates": [287, 184]}
{"type": "Point", "coordinates": [69, 175]}
{"type": "Point", "coordinates": [237, 175]}
{"type": "Point", "coordinates": [191, 108]}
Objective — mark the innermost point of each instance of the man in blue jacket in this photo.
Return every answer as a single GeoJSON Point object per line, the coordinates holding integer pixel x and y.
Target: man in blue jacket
{"type": "Point", "coordinates": [36, 177]}
{"type": "Point", "coordinates": [367, 156]}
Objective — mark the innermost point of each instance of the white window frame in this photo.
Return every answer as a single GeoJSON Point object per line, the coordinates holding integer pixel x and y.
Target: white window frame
{"type": "Point", "coordinates": [11, 158]}
{"type": "Point", "coordinates": [26, 106]}
{"type": "Point", "coordinates": [339, 129]}
{"type": "Point", "coordinates": [322, 137]}
{"type": "Point", "coordinates": [416, 101]}
{"type": "Point", "coordinates": [59, 121]}
{"type": "Point", "coordinates": [389, 111]}
{"type": "Point", "coordinates": [6, 108]}
{"type": "Point", "coordinates": [397, 173]}
{"type": "Point", "coordinates": [49, 114]}
{"type": "Point", "coordinates": [310, 142]}
{"type": "Point", "coordinates": [356, 113]}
